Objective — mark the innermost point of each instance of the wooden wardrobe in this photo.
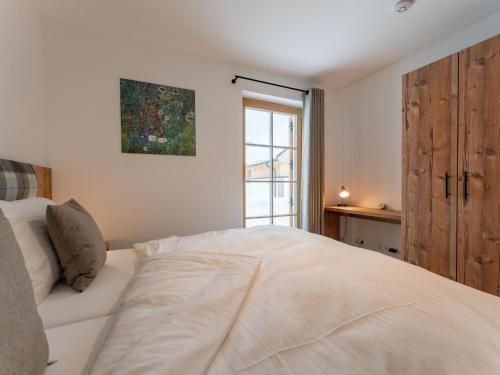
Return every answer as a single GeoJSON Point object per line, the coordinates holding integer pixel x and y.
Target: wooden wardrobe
{"type": "Point", "coordinates": [451, 167]}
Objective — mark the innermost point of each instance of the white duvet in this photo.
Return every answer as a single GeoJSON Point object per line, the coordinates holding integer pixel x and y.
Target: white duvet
{"type": "Point", "coordinates": [272, 300]}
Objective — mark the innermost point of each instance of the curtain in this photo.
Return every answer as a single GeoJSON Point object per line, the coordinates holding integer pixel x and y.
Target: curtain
{"type": "Point", "coordinates": [312, 189]}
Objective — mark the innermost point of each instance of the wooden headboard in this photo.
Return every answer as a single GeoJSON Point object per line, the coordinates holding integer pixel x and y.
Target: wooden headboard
{"type": "Point", "coordinates": [44, 178]}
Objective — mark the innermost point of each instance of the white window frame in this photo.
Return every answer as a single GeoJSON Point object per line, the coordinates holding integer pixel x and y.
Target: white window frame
{"type": "Point", "coordinates": [275, 108]}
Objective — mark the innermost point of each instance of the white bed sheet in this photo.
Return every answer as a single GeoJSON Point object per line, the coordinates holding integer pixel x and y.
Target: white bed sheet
{"type": "Point", "coordinates": [74, 347]}
{"type": "Point", "coordinates": [64, 305]}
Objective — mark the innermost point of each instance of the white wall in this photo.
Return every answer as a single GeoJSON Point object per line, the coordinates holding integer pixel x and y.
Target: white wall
{"type": "Point", "coordinates": [140, 197]}
{"type": "Point", "coordinates": [137, 197]}
{"type": "Point", "coordinates": [22, 118]}
{"type": "Point", "coordinates": [366, 134]}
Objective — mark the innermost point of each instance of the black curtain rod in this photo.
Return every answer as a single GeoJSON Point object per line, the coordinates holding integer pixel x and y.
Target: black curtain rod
{"type": "Point", "coordinates": [235, 78]}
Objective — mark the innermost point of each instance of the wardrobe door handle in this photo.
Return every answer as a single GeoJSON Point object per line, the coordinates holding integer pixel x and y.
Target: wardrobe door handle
{"type": "Point", "coordinates": [446, 185]}
{"type": "Point", "coordinates": [466, 185]}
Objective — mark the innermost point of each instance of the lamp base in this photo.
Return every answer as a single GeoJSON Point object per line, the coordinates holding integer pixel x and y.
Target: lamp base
{"type": "Point", "coordinates": [342, 205]}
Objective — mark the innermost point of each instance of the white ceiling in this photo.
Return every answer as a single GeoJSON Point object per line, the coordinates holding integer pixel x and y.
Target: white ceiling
{"type": "Point", "coordinates": [336, 40]}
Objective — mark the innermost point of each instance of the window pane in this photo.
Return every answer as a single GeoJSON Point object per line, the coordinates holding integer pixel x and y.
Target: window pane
{"type": "Point", "coordinates": [282, 164]}
{"type": "Point", "coordinates": [287, 221]}
{"type": "Point", "coordinates": [284, 126]}
{"type": "Point", "coordinates": [284, 198]}
{"type": "Point", "coordinates": [257, 126]}
{"type": "Point", "coordinates": [258, 163]}
{"type": "Point", "coordinates": [258, 200]}
{"type": "Point", "coordinates": [255, 222]}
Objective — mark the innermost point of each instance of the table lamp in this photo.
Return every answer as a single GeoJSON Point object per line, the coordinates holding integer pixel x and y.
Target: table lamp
{"type": "Point", "coordinates": [343, 194]}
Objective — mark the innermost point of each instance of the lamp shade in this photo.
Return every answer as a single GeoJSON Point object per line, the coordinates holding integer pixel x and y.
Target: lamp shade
{"type": "Point", "coordinates": [343, 192]}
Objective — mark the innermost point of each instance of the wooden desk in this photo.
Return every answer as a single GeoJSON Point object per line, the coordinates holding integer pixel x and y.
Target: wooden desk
{"type": "Point", "coordinates": [333, 213]}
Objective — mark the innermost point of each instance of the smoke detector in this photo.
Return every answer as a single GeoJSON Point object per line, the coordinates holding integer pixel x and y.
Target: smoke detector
{"type": "Point", "coordinates": [403, 6]}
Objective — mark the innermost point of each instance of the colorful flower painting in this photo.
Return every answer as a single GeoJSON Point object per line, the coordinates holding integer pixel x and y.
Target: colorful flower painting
{"type": "Point", "coordinates": [157, 119]}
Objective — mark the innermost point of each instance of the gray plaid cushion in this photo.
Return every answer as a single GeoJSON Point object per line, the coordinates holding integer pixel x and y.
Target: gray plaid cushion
{"type": "Point", "coordinates": [17, 180]}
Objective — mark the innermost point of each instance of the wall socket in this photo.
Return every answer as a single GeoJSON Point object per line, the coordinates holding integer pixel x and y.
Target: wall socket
{"type": "Point", "coordinates": [381, 248]}
{"type": "Point", "coordinates": [388, 250]}
{"type": "Point", "coordinates": [359, 242]}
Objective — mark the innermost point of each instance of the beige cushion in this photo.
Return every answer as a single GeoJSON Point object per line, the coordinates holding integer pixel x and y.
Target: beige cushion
{"type": "Point", "coordinates": [78, 242]}
{"type": "Point", "coordinates": [23, 345]}
{"type": "Point", "coordinates": [27, 220]}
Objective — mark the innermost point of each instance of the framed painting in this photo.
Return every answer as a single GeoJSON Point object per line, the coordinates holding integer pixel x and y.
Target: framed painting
{"type": "Point", "coordinates": [157, 119]}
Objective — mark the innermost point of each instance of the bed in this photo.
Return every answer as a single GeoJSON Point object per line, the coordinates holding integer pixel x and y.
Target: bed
{"type": "Point", "coordinates": [268, 300]}
{"type": "Point", "coordinates": [278, 300]}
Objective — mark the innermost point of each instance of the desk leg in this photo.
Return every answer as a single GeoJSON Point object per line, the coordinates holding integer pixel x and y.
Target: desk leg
{"type": "Point", "coordinates": [332, 225]}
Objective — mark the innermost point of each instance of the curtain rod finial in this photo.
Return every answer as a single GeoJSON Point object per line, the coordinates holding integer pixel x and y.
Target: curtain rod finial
{"type": "Point", "coordinates": [234, 79]}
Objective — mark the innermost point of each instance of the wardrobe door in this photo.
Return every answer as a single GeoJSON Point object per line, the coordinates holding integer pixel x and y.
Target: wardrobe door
{"type": "Point", "coordinates": [479, 167]}
{"type": "Point", "coordinates": [430, 166]}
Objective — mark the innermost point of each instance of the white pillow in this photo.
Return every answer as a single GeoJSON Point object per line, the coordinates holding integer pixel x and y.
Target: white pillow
{"type": "Point", "coordinates": [28, 221]}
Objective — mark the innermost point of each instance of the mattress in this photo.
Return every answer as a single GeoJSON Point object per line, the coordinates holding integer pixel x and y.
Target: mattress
{"type": "Point", "coordinates": [65, 305]}
{"type": "Point", "coordinates": [74, 347]}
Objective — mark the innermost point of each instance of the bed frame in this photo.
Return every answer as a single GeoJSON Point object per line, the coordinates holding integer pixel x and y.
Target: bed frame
{"type": "Point", "coordinates": [44, 178]}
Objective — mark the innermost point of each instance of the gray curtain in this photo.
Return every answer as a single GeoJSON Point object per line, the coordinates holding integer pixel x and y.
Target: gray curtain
{"type": "Point", "coordinates": [313, 160]}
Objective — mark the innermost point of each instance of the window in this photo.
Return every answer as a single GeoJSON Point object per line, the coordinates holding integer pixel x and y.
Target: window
{"type": "Point", "coordinates": [279, 191]}
{"type": "Point", "coordinates": [272, 163]}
